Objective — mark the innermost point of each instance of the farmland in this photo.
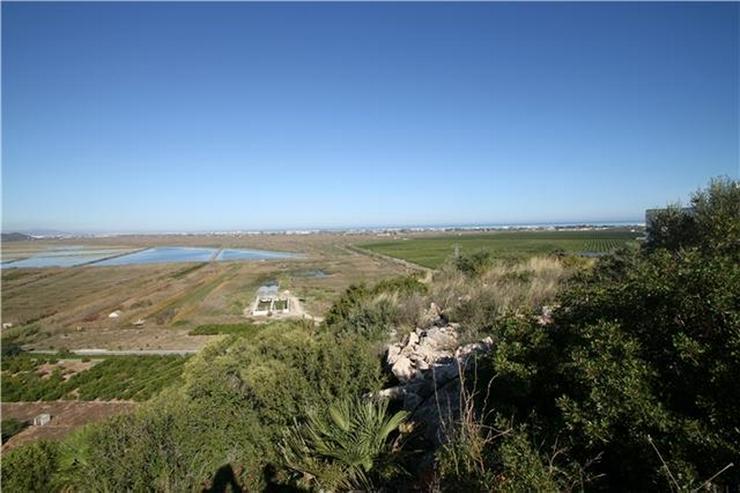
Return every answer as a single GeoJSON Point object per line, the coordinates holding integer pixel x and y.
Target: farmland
{"type": "Point", "coordinates": [432, 250]}
{"type": "Point", "coordinates": [29, 377]}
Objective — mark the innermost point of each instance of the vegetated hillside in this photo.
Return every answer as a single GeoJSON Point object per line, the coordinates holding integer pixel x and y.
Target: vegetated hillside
{"type": "Point", "coordinates": [616, 374]}
{"type": "Point", "coordinates": [15, 237]}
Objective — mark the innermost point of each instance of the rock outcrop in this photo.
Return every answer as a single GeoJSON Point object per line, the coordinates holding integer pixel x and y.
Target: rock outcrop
{"type": "Point", "coordinates": [427, 364]}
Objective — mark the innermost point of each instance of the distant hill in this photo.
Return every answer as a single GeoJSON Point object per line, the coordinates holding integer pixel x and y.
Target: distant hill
{"type": "Point", "coordinates": [16, 237]}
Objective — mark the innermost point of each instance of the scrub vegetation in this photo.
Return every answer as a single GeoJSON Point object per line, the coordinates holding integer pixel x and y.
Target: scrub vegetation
{"type": "Point", "coordinates": [610, 374]}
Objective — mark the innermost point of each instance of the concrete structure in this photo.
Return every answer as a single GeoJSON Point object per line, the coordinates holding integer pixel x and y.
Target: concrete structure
{"type": "Point", "coordinates": [42, 419]}
{"type": "Point", "coordinates": [268, 305]}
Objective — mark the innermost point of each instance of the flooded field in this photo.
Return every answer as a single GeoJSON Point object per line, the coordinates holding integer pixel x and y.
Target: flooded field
{"type": "Point", "coordinates": [59, 257]}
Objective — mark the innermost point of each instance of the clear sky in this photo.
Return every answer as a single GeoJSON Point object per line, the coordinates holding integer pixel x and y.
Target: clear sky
{"type": "Point", "coordinates": [151, 117]}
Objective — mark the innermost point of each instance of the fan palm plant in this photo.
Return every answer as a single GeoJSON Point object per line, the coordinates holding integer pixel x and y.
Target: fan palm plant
{"type": "Point", "coordinates": [338, 449]}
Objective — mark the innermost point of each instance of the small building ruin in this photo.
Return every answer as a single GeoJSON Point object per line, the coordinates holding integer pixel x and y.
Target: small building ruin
{"type": "Point", "coordinates": [42, 419]}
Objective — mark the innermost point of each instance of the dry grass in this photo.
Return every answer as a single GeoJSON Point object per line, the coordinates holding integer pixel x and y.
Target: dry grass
{"type": "Point", "coordinates": [520, 289]}
{"type": "Point", "coordinates": [501, 290]}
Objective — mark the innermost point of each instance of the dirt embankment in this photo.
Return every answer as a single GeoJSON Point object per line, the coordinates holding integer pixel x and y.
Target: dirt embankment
{"type": "Point", "coordinates": [65, 417]}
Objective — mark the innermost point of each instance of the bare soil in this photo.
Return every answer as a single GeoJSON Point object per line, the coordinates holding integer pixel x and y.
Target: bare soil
{"type": "Point", "coordinates": [65, 417]}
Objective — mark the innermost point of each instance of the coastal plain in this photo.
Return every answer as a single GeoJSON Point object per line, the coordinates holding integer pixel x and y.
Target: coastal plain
{"type": "Point", "coordinates": [60, 308]}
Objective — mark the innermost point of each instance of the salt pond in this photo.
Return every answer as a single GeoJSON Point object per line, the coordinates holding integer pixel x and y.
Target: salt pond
{"type": "Point", "coordinates": [70, 257]}
{"type": "Point", "coordinates": [61, 257]}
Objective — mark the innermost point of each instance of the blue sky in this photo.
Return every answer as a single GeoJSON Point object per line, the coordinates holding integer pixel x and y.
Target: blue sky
{"type": "Point", "coordinates": [150, 117]}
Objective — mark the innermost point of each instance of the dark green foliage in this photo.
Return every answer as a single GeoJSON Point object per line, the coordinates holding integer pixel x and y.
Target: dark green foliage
{"type": "Point", "coordinates": [31, 468]}
{"type": "Point", "coordinates": [665, 365]}
{"type": "Point", "coordinates": [11, 427]}
{"type": "Point", "coordinates": [672, 228]}
{"type": "Point", "coordinates": [712, 224]}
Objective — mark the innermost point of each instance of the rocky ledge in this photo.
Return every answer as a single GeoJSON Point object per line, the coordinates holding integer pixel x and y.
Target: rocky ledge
{"type": "Point", "coordinates": [427, 364]}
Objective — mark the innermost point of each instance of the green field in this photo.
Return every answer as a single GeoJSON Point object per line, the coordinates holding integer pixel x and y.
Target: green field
{"type": "Point", "coordinates": [432, 251]}
{"type": "Point", "coordinates": [115, 377]}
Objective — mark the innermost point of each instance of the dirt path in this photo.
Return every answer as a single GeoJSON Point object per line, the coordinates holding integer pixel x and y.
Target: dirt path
{"type": "Point", "coordinates": [409, 265]}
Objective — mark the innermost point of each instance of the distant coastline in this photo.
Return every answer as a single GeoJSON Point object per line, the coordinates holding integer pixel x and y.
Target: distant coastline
{"type": "Point", "coordinates": [451, 228]}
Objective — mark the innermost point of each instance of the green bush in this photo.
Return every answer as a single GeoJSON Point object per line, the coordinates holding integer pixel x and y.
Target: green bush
{"type": "Point", "coordinates": [31, 468]}
{"type": "Point", "coordinates": [712, 224]}
{"type": "Point", "coordinates": [473, 264]}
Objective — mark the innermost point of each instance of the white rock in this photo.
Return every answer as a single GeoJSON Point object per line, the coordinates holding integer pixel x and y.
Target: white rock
{"type": "Point", "coordinates": [404, 369]}
{"type": "Point", "coordinates": [394, 352]}
{"type": "Point", "coordinates": [413, 339]}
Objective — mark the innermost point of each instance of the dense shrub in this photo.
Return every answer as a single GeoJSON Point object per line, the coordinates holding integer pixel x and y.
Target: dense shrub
{"type": "Point", "coordinates": [172, 444]}
{"type": "Point", "coordinates": [636, 378]}
{"type": "Point", "coordinates": [31, 468]}
{"type": "Point", "coordinates": [372, 311]}
{"type": "Point", "coordinates": [664, 365]}
{"type": "Point", "coordinates": [473, 264]}
{"type": "Point", "coordinates": [711, 224]}
{"type": "Point", "coordinates": [239, 396]}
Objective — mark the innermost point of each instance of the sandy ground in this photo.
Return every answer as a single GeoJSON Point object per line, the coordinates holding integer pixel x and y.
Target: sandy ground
{"type": "Point", "coordinates": [65, 417]}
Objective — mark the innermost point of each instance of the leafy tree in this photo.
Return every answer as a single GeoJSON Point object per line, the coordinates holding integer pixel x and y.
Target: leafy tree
{"type": "Point", "coordinates": [711, 224]}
